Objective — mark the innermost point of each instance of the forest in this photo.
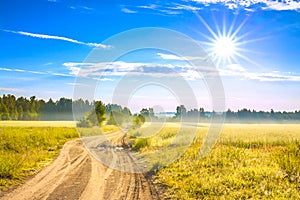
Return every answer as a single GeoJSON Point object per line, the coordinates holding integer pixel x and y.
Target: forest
{"type": "Point", "coordinates": [22, 108]}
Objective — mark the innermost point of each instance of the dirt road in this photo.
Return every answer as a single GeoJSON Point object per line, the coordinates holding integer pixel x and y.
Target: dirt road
{"type": "Point", "coordinates": [75, 174]}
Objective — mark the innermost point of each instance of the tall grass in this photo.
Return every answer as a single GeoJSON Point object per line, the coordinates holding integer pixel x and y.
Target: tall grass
{"type": "Point", "coordinates": [248, 162]}
{"type": "Point", "coordinates": [24, 150]}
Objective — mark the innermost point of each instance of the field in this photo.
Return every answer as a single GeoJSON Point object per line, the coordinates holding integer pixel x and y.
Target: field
{"type": "Point", "coordinates": [249, 161]}
{"type": "Point", "coordinates": [27, 146]}
{"type": "Point", "coordinates": [38, 123]}
{"type": "Point", "coordinates": [24, 150]}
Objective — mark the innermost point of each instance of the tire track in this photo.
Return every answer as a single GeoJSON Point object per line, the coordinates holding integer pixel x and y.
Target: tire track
{"type": "Point", "coordinates": [75, 174]}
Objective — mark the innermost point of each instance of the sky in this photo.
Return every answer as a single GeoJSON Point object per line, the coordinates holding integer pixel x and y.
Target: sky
{"type": "Point", "coordinates": [46, 47]}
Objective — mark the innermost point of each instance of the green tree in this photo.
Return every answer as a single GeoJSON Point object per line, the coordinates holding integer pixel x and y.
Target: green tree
{"type": "Point", "coordinates": [111, 120]}
{"type": "Point", "coordinates": [100, 111]}
{"type": "Point", "coordinates": [20, 112]}
{"type": "Point", "coordinates": [137, 122]}
{"type": "Point", "coordinates": [5, 113]}
{"type": "Point", "coordinates": [180, 111]}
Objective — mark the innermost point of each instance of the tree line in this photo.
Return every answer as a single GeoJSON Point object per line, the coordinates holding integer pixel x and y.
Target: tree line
{"type": "Point", "coordinates": [22, 108]}
{"type": "Point", "coordinates": [243, 115]}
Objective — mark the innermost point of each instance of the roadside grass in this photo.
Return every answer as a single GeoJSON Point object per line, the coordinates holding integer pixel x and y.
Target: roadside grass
{"type": "Point", "coordinates": [92, 131]}
{"type": "Point", "coordinates": [38, 123]}
{"type": "Point", "coordinates": [25, 150]}
{"type": "Point", "coordinates": [106, 129]}
{"type": "Point", "coordinates": [248, 162]}
{"type": "Point", "coordinates": [27, 146]}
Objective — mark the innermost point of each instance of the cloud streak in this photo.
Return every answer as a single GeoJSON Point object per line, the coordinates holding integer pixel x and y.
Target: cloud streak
{"type": "Point", "coordinates": [54, 37]}
{"type": "Point", "coordinates": [11, 89]}
{"type": "Point", "coordinates": [120, 68]}
{"type": "Point", "coordinates": [117, 69]}
{"type": "Point", "coordinates": [236, 70]}
{"type": "Point", "coordinates": [126, 10]}
{"type": "Point", "coordinates": [35, 72]}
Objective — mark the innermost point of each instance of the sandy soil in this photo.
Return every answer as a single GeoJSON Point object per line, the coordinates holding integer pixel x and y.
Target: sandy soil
{"type": "Point", "coordinates": [75, 174]}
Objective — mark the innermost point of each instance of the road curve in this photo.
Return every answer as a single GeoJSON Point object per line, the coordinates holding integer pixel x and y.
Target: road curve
{"type": "Point", "coordinates": [75, 174]}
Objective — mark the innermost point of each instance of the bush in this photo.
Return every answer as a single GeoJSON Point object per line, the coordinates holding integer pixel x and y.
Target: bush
{"type": "Point", "coordinates": [84, 123]}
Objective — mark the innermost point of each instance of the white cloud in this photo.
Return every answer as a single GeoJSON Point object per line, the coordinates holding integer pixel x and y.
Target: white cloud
{"type": "Point", "coordinates": [185, 7]}
{"type": "Point", "coordinates": [285, 5]}
{"type": "Point", "coordinates": [78, 84]}
{"type": "Point", "coordinates": [35, 72]}
{"type": "Point", "coordinates": [109, 70]}
{"type": "Point", "coordinates": [119, 68]}
{"type": "Point", "coordinates": [48, 63]}
{"type": "Point", "coordinates": [151, 6]}
{"type": "Point", "coordinates": [236, 67]}
{"type": "Point", "coordinates": [53, 37]}
{"type": "Point", "coordinates": [269, 4]}
{"type": "Point", "coordinates": [5, 69]}
{"type": "Point", "coordinates": [238, 71]}
{"type": "Point", "coordinates": [87, 8]}
{"type": "Point", "coordinates": [174, 57]}
{"type": "Point", "coordinates": [160, 9]}
{"type": "Point", "coordinates": [103, 79]}
{"type": "Point", "coordinates": [169, 56]}
{"type": "Point", "coordinates": [126, 10]}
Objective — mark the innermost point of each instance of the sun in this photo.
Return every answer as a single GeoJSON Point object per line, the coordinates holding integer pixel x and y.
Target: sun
{"type": "Point", "coordinates": [225, 42]}
{"type": "Point", "coordinates": [224, 47]}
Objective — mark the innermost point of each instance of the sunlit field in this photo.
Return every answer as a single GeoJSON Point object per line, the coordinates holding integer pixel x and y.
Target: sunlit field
{"type": "Point", "coordinates": [249, 161]}
{"type": "Point", "coordinates": [38, 123]}
{"type": "Point", "coordinates": [25, 150]}
{"type": "Point", "coordinates": [27, 146]}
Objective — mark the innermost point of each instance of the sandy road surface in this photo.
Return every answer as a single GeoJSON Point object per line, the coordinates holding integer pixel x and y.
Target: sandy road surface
{"type": "Point", "coordinates": [77, 175]}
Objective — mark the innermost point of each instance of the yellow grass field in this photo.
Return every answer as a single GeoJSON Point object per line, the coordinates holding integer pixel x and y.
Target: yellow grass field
{"type": "Point", "coordinates": [39, 123]}
{"type": "Point", "coordinates": [250, 161]}
{"type": "Point", "coordinates": [27, 146]}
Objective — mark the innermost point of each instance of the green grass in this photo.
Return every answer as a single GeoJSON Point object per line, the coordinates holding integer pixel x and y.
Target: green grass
{"type": "Point", "coordinates": [38, 123]}
{"type": "Point", "coordinates": [25, 150]}
{"type": "Point", "coordinates": [27, 146]}
{"type": "Point", "coordinates": [92, 131]}
{"type": "Point", "coordinates": [249, 161]}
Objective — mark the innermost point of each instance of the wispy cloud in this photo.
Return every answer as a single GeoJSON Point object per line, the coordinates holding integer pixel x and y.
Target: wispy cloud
{"type": "Point", "coordinates": [48, 63]}
{"type": "Point", "coordinates": [54, 37]}
{"type": "Point", "coordinates": [184, 7]}
{"type": "Point", "coordinates": [114, 69]}
{"type": "Point", "coordinates": [169, 56]}
{"type": "Point", "coordinates": [120, 68]}
{"type": "Point", "coordinates": [236, 67]}
{"type": "Point", "coordinates": [5, 69]}
{"type": "Point", "coordinates": [129, 11]}
{"type": "Point", "coordinates": [35, 72]}
{"type": "Point", "coordinates": [78, 84]}
{"type": "Point", "coordinates": [160, 9]}
{"type": "Point", "coordinates": [11, 89]}
{"type": "Point", "coordinates": [87, 8]}
{"type": "Point", "coordinates": [236, 70]}
{"type": "Point", "coordinates": [82, 9]}
{"type": "Point", "coordinates": [174, 57]}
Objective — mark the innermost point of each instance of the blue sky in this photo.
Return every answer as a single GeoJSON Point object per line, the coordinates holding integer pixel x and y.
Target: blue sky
{"type": "Point", "coordinates": [45, 42]}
